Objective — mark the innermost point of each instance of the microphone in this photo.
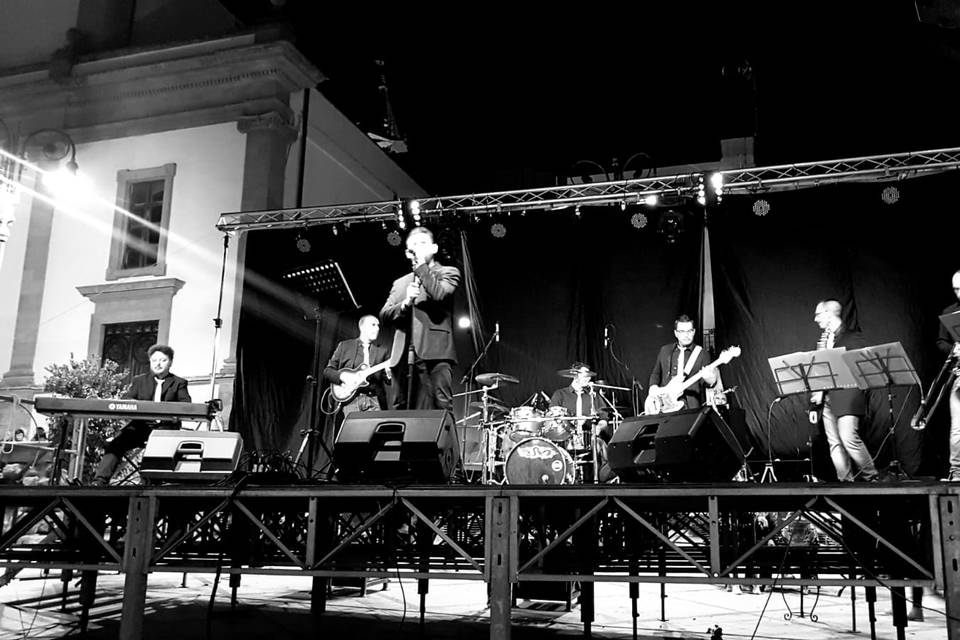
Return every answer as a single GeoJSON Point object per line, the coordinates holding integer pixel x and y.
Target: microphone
{"type": "Point", "coordinates": [496, 332]}
{"type": "Point", "coordinates": [606, 336]}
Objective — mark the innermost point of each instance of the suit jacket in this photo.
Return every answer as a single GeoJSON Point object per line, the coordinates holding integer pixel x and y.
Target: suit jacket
{"type": "Point", "coordinates": [174, 388]}
{"type": "Point", "coordinates": [432, 310]}
{"type": "Point", "coordinates": [944, 340]}
{"type": "Point", "coordinates": [567, 397]}
{"type": "Point", "coordinates": [665, 369]}
{"type": "Point", "coordinates": [349, 354]}
{"type": "Point", "coordinates": [848, 402]}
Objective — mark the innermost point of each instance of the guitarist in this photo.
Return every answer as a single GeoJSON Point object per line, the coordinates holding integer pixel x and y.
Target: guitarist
{"type": "Point", "coordinates": [356, 353]}
{"type": "Point", "coordinates": [683, 358]}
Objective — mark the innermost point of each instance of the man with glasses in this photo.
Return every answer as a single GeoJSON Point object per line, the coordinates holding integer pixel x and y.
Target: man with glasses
{"type": "Point", "coordinates": [952, 349]}
{"type": "Point", "coordinates": [680, 360]}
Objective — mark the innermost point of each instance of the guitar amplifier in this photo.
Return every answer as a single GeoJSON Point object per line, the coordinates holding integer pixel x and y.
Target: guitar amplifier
{"type": "Point", "coordinates": [190, 455]}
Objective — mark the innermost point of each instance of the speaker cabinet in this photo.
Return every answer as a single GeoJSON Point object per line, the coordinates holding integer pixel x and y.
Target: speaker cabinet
{"type": "Point", "coordinates": [397, 446]}
{"type": "Point", "coordinates": [695, 446]}
{"type": "Point", "coordinates": [183, 455]}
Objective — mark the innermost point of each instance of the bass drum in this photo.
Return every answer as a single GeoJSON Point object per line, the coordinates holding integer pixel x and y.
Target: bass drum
{"type": "Point", "coordinates": [539, 461]}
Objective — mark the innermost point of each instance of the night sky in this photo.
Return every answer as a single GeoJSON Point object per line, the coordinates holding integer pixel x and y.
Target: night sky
{"type": "Point", "coordinates": [504, 100]}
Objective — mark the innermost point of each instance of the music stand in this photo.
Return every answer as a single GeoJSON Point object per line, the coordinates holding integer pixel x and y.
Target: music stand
{"type": "Point", "coordinates": [884, 366]}
{"type": "Point", "coordinates": [806, 372]}
{"type": "Point", "coordinates": [951, 322]}
{"type": "Point", "coordinates": [326, 287]}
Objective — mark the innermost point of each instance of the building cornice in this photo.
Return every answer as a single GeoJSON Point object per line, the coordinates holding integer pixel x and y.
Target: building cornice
{"type": "Point", "coordinates": [162, 89]}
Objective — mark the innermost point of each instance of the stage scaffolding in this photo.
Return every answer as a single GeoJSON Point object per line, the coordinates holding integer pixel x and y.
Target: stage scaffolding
{"type": "Point", "coordinates": [751, 181]}
{"type": "Point", "coordinates": [857, 535]}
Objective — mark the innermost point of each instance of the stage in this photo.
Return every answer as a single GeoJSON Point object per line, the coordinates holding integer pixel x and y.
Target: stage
{"type": "Point", "coordinates": [519, 540]}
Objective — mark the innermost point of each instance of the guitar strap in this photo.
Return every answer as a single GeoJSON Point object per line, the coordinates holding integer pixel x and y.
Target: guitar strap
{"type": "Point", "coordinates": [693, 358]}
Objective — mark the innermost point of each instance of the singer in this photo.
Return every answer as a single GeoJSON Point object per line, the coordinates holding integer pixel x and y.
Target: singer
{"type": "Point", "coordinates": [426, 293]}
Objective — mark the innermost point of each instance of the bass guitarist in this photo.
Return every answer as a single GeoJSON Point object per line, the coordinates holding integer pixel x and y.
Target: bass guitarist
{"type": "Point", "coordinates": [350, 358]}
{"type": "Point", "coordinates": [683, 358]}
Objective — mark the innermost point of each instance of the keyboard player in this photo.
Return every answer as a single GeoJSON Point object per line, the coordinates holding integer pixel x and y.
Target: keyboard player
{"type": "Point", "coordinates": [159, 385]}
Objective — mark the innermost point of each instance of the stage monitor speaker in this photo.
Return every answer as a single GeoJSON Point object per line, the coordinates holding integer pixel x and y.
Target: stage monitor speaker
{"type": "Point", "coordinates": [397, 446]}
{"type": "Point", "coordinates": [694, 446]}
{"type": "Point", "coordinates": [182, 455]}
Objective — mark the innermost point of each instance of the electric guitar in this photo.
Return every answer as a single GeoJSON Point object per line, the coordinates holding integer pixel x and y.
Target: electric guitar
{"type": "Point", "coordinates": [352, 380]}
{"type": "Point", "coordinates": [666, 399]}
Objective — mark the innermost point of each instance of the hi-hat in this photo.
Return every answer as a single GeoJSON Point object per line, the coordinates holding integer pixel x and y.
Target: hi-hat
{"type": "Point", "coordinates": [490, 379]}
{"type": "Point", "coordinates": [573, 373]}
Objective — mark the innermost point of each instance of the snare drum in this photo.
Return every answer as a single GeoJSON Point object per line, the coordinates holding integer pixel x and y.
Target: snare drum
{"type": "Point", "coordinates": [557, 430]}
{"type": "Point", "coordinates": [523, 423]}
{"type": "Point", "coordinates": [539, 461]}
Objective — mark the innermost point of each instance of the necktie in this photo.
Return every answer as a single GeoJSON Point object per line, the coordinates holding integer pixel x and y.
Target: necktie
{"type": "Point", "coordinates": [579, 402]}
{"type": "Point", "coordinates": [366, 354]}
{"type": "Point", "coordinates": [680, 361]}
{"type": "Point", "coordinates": [158, 391]}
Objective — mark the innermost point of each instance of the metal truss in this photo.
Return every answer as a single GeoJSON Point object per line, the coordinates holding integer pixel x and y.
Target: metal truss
{"type": "Point", "coordinates": [895, 166]}
{"type": "Point", "coordinates": [504, 536]}
{"type": "Point", "coordinates": [599, 193]}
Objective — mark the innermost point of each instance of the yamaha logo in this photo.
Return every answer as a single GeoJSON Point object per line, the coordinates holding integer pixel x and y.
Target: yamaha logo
{"type": "Point", "coordinates": [122, 406]}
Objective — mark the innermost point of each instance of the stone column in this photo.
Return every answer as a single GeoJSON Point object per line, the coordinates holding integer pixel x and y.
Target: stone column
{"type": "Point", "coordinates": [269, 137]}
{"type": "Point", "coordinates": [27, 326]}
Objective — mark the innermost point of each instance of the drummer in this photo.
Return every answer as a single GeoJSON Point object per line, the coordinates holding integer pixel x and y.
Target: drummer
{"type": "Point", "coordinates": [578, 398]}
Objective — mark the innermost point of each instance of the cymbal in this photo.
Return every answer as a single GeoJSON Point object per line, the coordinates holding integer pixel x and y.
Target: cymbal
{"type": "Point", "coordinates": [489, 379]}
{"type": "Point", "coordinates": [573, 373]}
{"type": "Point", "coordinates": [492, 404]}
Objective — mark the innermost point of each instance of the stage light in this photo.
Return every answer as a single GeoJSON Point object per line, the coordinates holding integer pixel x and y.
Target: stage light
{"type": "Point", "coordinates": [303, 243]}
{"type": "Point", "coordinates": [394, 239]}
{"type": "Point", "coordinates": [463, 322]}
{"type": "Point", "coordinates": [334, 230]}
{"type": "Point", "coordinates": [716, 186]}
{"type": "Point", "coordinates": [415, 212]}
{"type": "Point", "coordinates": [638, 220]}
{"type": "Point", "coordinates": [401, 221]}
{"type": "Point", "coordinates": [761, 207]}
{"type": "Point", "coordinates": [576, 211]}
{"type": "Point", "coordinates": [623, 205]}
{"type": "Point", "coordinates": [497, 230]}
{"type": "Point", "coordinates": [890, 195]}
{"type": "Point", "coordinates": [651, 200]}
{"type": "Point", "coordinates": [701, 192]}
{"type": "Point", "coordinates": [671, 225]}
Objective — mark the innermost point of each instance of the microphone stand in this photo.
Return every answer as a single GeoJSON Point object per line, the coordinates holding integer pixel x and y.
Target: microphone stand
{"type": "Point", "coordinates": [469, 374]}
{"type": "Point", "coordinates": [411, 355]}
{"type": "Point", "coordinates": [636, 388]}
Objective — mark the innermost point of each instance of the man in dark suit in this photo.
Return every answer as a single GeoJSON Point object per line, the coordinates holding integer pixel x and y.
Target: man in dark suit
{"type": "Point", "coordinates": [159, 385]}
{"type": "Point", "coordinates": [577, 397]}
{"type": "Point", "coordinates": [841, 409]}
{"type": "Point", "coordinates": [427, 294]}
{"type": "Point", "coordinates": [680, 360]}
{"type": "Point", "coordinates": [362, 351]}
{"type": "Point", "coordinates": [952, 349]}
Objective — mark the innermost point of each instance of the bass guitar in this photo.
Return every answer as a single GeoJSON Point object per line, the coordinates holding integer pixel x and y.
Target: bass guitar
{"type": "Point", "coordinates": [352, 380]}
{"type": "Point", "coordinates": [666, 399]}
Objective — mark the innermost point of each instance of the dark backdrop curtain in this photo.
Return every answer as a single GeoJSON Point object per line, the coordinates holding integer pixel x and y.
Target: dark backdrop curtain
{"type": "Point", "coordinates": [889, 264]}
{"type": "Point", "coordinates": [553, 282]}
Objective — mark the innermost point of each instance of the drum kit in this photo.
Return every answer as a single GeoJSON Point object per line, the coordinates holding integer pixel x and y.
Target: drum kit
{"type": "Point", "coordinates": [531, 445]}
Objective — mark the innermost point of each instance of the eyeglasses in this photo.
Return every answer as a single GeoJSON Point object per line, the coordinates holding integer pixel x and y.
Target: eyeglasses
{"type": "Point", "coordinates": [685, 330]}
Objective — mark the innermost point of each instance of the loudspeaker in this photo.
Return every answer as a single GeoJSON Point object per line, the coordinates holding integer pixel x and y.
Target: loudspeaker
{"type": "Point", "coordinates": [190, 455]}
{"type": "Point", "coordinates": [397, 446]}
{"type": "Point", "coordinates": [696, 445]}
